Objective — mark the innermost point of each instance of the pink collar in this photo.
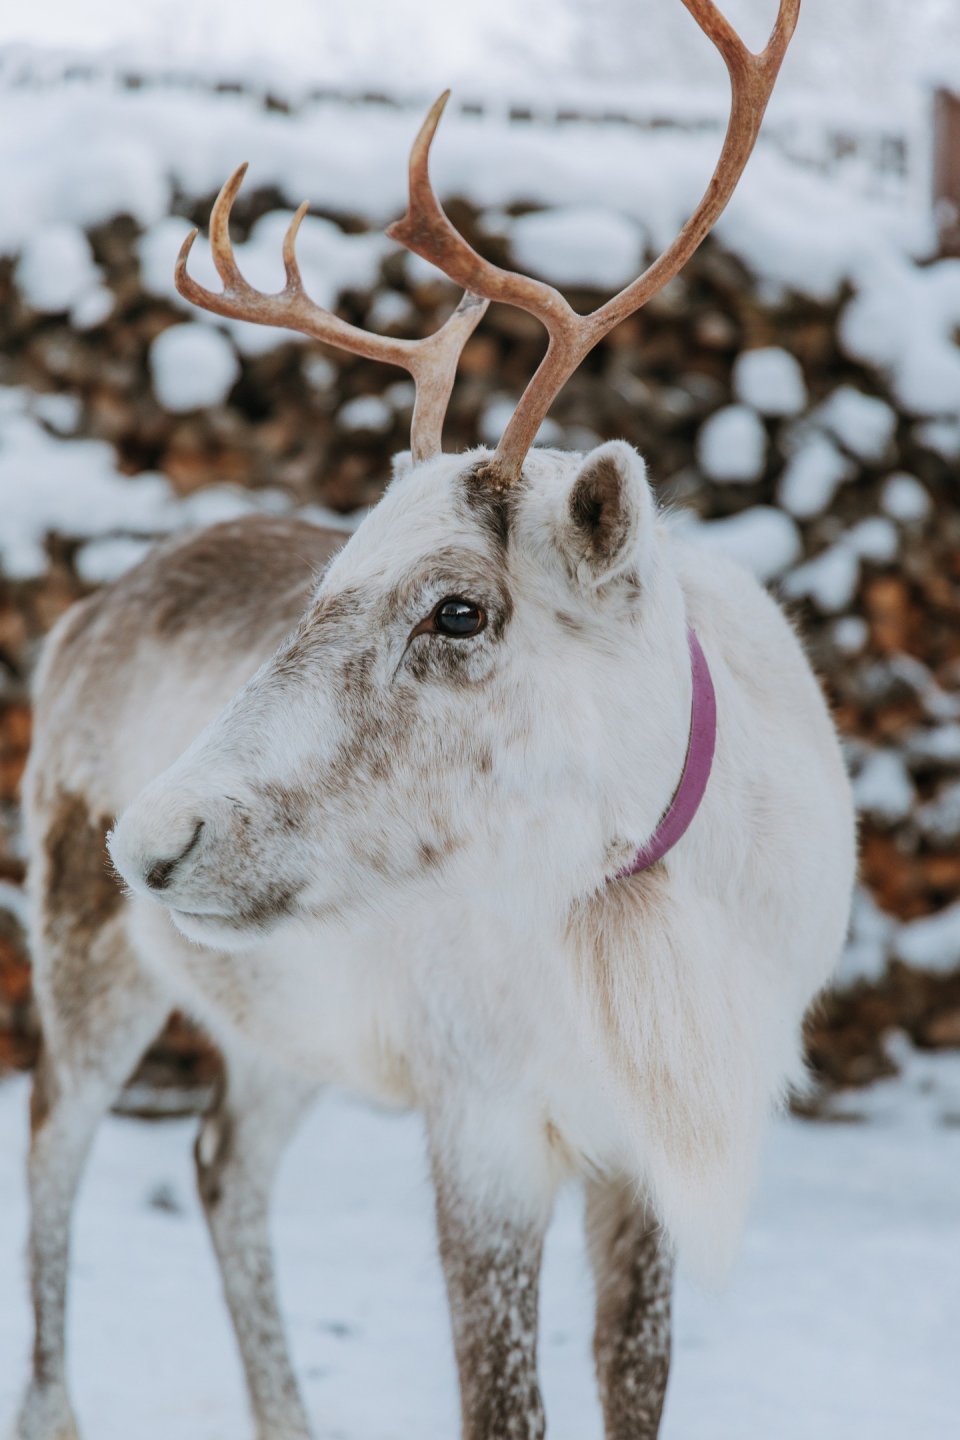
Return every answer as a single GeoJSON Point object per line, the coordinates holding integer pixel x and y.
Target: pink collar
{"type": "Point", "coordinates": [692, 784]}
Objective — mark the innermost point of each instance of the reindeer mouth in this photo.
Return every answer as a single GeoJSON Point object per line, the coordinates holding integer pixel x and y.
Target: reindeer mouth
{"type": "Point", "coordinates": [232, 928]}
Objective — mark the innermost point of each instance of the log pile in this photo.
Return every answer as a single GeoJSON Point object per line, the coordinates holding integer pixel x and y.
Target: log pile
{"type": "Point", "coordinates": [888, 651]}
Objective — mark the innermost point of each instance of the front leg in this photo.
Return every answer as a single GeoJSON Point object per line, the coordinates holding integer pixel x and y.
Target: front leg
{"type": "Point", "coordinates": [491, 1242]}
{"type": "Point", "coordinates": [239, 1148]}
{"type": "Point", "coordinates": [633, 1270]}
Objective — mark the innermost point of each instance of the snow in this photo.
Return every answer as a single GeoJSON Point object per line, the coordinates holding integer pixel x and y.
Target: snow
{"type": "Point", "coordinates": [56, 269]}
{"type": "Point", "coordinates": [92, 308]}
{"type": "Point", "coordinates": [883, 789]}
{"type": "Point", "coordinates": [850, 634]}
{"type": "Point", "coordinates": [763, 539]}
{"type": "Point", "coordinates": [829, 580]}
{"type": "Point", "coordinates": [497, 415]}
{"type": "Point", "coordinates": [902, 670]}
{"type": "Point", "coordinates": [874, 539]}
{"type": "Point", "coordinates": [319, 372]}
{"type": "Point", "coordinates": [366, 412]}
{"type": "Point", "coordinates": [937, 746]}
{"type": "Point", "coordinates": [905, 499]}
{"type": "Point", "coordinates": [863, 424]}
{"type": "Point", "coordinates": [101, 561]}
{"type": "Point", "coordinates": [771, 380]}
{"type": "Point", "coordinates": [932, 942]}
{"type": "Point", "coordinates": [192, 366]}
{"type": "Point", "coordinates": [578, 246]}
{"type": "Point", "coordinates": [844, 59]}
{"type": "Point", "coordinates": [60, 412]}
{"type": "Point", "coordinates": [129, 149]}
{"type": "Point", "coordinates": [903, 323]}
{"type": "Point", "coordinates": [939, 819]}
{"type": "Point", "coordinates": [812, 476]}
{"type": "Point", "coordinates": [73, 488]}
{"type": "Point", "coordinates": [840, 1321]}
{"type": "Point", "coordinates": [823, 245]}
{"type": "Point", "coordinates": [400, 396]}
{"type": "Point", "coordinates": [867, 951]}
{"type": "Point", "coordinates": [940, 436]}
{"type": "Point", "coordinates": [13, 898]}
{"type": "Point", "coordinates": [388, 309]}
{"type": "Point", "coordinates": [66, 161]}
{"type": "Point", "coordinates": [732, 445]}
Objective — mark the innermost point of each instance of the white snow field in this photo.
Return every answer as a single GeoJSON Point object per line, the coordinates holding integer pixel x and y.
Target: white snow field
{"type": "Point", "coordinates": [840, 1321]}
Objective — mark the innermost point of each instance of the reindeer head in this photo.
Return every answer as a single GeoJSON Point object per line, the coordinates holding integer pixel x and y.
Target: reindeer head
{"type": "Point", "coordinates": [492, 673]}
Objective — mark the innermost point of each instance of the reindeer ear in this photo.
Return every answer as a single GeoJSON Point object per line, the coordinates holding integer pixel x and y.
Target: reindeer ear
{"type": "Point", "coordinates": [608, 514]}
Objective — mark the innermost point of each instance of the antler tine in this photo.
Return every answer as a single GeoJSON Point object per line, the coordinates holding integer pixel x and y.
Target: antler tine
{"type": "Point", "coordinates": [752, 78]}
{"type": "Point", "coordinates": [221, 245]}
{"type": "Point", "coordinates": [431, 361]}
{"type": "Point", "coordinates": [426, 229]}
{"type": "Point", "coordinates": [290, 263]}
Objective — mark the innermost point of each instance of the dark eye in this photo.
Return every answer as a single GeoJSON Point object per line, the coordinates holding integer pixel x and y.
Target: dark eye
{"type": "Point", "coordinates": [458, 618]}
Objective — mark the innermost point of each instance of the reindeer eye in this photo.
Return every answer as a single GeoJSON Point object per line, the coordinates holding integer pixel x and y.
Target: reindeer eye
{"type": "Point", "coordinates": [458, 618]}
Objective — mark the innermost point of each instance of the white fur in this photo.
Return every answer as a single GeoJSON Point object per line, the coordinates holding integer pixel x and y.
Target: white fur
{"type": "Point", "coordinates": [550, 1019]}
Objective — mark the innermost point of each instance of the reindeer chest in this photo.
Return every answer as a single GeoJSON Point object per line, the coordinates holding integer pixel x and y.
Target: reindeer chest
{"type": "Point", "coordinates": [378, 1017]}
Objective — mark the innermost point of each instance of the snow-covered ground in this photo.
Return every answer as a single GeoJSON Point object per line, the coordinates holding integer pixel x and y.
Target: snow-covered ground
{"type": "Point", "coordinates": [840, 1322]}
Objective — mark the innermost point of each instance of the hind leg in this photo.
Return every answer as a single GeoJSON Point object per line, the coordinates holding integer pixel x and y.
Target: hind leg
{"type": "Point", "coordinates": [91, 1045]}
{"type": "Point", "coordinates": [239, 1148]}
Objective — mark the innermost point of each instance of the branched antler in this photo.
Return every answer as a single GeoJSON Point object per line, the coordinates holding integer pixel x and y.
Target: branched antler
{"type": "Point", "coordinates": [426, 229]}
{"type": "Point", "coordinates": [432, 361]}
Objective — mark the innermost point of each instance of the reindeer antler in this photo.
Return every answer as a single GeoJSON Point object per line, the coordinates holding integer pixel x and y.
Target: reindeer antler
{"type": "Point", "coordinates": [426, 230]}
{"type": "Point", "coordinates": [432, 361]}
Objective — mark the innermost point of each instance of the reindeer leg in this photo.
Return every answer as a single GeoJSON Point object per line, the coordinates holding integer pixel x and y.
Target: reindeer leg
{"type": "Point", "coordinates": [90, 1049]}
{"type": "Point", "coordinates": [633, 1269]}
{"type": "Point", "coordinates": [491, 1241]}
{"type": "Point", "coordinates": [239, 1147]}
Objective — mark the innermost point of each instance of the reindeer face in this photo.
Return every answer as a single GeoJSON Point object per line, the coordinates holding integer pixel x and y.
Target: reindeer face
{"type": "Point", "coordinates": [433, 701]}
{"type": "Point", "coordinates": [440, 692]}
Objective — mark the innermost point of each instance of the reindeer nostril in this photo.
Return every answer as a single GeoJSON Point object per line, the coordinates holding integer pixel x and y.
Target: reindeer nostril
{"type": "Point", "coordinates": [160, 872]}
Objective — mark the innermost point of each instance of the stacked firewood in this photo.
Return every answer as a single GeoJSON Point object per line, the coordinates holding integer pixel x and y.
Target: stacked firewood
{"type": "Point", "coordinates": [872, 573]}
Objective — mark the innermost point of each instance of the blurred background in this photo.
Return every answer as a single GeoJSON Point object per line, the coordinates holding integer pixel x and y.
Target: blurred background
{"type": "Point", "coordinates": [796, 393]}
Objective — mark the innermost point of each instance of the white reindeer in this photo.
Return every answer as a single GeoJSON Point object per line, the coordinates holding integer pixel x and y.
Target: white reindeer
{"type": "Point", "coordinates": [441, 826]}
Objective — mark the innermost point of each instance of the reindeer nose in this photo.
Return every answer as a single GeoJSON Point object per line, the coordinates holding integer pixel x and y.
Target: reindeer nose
{"type": "Point", "coordinates": [159, 873]}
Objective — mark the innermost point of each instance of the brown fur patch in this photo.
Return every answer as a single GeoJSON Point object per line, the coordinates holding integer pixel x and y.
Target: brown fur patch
{"type": "Point", "coordinates": [267, 906]}
{"type": "Point", "coordinates": [597, 511]}
{"type": "Point", "coordinates": [492, 507]}
{"type": "Point", "coordinates": [634, 1281]}
{"type": "Point", "coordinates": [219, 578]}
{"type": "Point", "coordinates": [569, 622]}
{"type": "Point", "coordinates": [492, 1281]}
{"type": "Point", "coordinates": [445, 660]}
{"type": "Point", "coordinates": [290, 805]}
{"type": "Point", "coordinates": [314, 631]}
{"type": "Point", "coordinates": [82, 892]}
{"type": "Point", "coordinates": [42, 1092]}
{"type": "Point", "coordinates": [239, 586]}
